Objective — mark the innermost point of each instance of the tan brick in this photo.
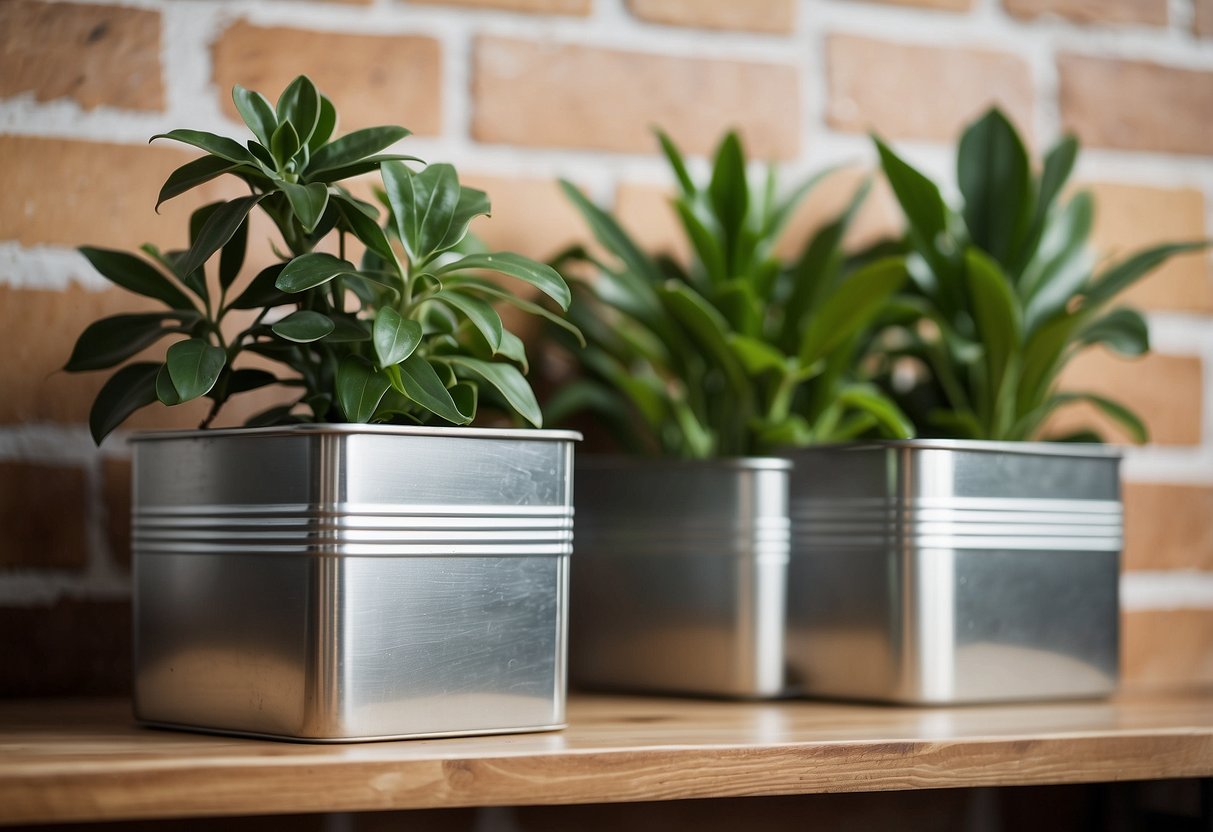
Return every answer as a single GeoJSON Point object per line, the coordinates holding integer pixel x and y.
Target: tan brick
{"type": "Point", "coordinates": [921, 92]}
{"type": "Point", "coordinates": [1146, 12]}
{"type": "Point", "coordinates": [42, 511]}
{"type": "Point", "coordinates": [72, 648]}
{"type": "Point", "coordinates": [95, 55]}
{"type": "Point", "coordinates": [577, 7]}
{"type": "Point", "coordinates": [371, 79]}
{"type": "Point", "coordinates": [772, 16]}
{"type": "Point", "coordinates": [565, 95]}
{"type": "Point", "coordinates": [1164, 390]}
{"type": "Point", "coordinates": [1131, 217]}
{"type": "Point", "coordinates": [946, 5]}
{"type": "Point", "coordinates": [644, 210]}
{"type": "Point", "coordinates": [116, 505]}
{"type": "Point", "coordinates": [1167, 648]}
{"type": "Point", "coordinates": [1135, 105]}
{"type": "Point", "coordinates": [1202, 21]}
{"type": "Point", "coordinates": [530, 216]}
{"type": "Point", "coordinates": [1168, 526]}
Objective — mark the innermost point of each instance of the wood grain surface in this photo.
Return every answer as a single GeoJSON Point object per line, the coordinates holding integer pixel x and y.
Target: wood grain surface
{"type": "Point", "coordinates": [86, 760]}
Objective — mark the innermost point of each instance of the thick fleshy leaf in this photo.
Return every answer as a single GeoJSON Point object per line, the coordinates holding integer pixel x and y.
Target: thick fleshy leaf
{"type": "Point", "coordinates": [365, 228]}
{"type": "Point", "coordinates": [165, 391]}
{"type": "Point", "coordinates": [284, 144]}
{"type": "Point", "coordinates": [310, 270]}
{"type": "Point", "coordinates": [132, 387]}
{"type": "Point", "coordinates": [192, 174]}
{"type": "Point", "coordinates": [423, 205]}
{"type": "Point", "coordinates": [480, 314]}
{"type": "Point", "coordinates": [257, 113]}
{"type": "Point", "coordinates": [194, 366]}
{"type": "Point", "coordinates": [421, 384]}
{"type": "Point", "coordinates": [394, 336]}
{"type": "Point", "coordinates": [218, 229]}
{"type": "Point", "coordinates": [300, 105]}
{"type": "Point", "coordinates": [262, 291]}
{"type": "Point", "coordinates": [996, 181]}
{"type": "Point", "coordinates": [326, 123]}
{"type": "Point", "coordinates": [850, 307]}
{"type": "Point", "coordinates": [541, 276]}
{"type": "Point", "coordinates": [307, 201]}
{"type": "Point", "coordinates": [220, 146]}
{"type": "Point", "coordinates": [112, 340]}
{"type": "Point", "coordinates": [1123, 330]}
{"type": "Point", "coordinates": [135, 275]}
{"type": "Point", "coordinates": [507, 381]}
{"type": "Point", "coordinates": [360, 388]}
{"type": "Point", "coordinates": [353, 147]}
{"type": "Point", "coordinates": [303, 326]}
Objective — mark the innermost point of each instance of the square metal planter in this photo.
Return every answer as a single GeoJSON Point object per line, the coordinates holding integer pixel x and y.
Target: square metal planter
{"type": "Point", "coordinates": [931, 571]}
{"type": "Point", "coordinates": [350, 582]}
{"type": "Point", "coordinates": [679, 580]}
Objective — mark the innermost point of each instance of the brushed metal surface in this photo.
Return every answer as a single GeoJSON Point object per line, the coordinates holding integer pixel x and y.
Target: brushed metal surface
{"type": "Point", "coordinates": [343, 584]}
{"type": "Point", "coordinates": [679, 580]}
{"type": "Point", "coordinates": [926, 572]}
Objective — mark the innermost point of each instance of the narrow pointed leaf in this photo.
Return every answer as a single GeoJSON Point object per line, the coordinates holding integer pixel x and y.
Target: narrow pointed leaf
{"type": "Point", "coordinates": [112, 340]}
{"type": "Point", "coordinates": [423, 205]}
{"type": "Point", "coordinates": [422, 385]}
{"type": "Point", "coordinates": [136, 276]}
{"type": "Point", "coordinates": [220, 146]}
{"type": "Point", "coordinates": [541, 276]}
{"type": "Point", "coordinates": [307, 201]}
{"type": "Point", "coordinates": [365, 228]}
{"type": "Point", "coordinates": [132, 387]}
{"type": "Point", "coordinates": [674, 156]}
{"type": "Point", "coordinates": [480, 314]}
{"type": "Point", "coordinates": [394, 336]}
{"type": "Point", "coordinates": [353, 147]}
{"type": "Point", "coordinates": [231, 257]}
{"type": "Point", "coordinates": [612, 236]}
{"type": "Point", "coordinates": [471, 204]}
{"type": "Point", "coordinates": [326, 123]}
{"type": "Point", "coordinates": [997, 316]}
{"type": "Point", "coordinates": [1113, 410]}
{"type": "Point", "coordinates": [850, 307]}
{"type": "Point", "coordinates": [1123, 330]}
{"type": "Point", "coordinates": [262, 291]}
{"type": "Point", "coordinates": [506, 380]}
{"type": "Point", "coordinates": [919, 197]}
{"type": "Point", "coordinates": [728, 190]}
{"type": "Point", "coordinates": [284, 144]}
{"type": "Point", "coordinates": [996, 181]}
{"type": "Point", "coordinates": [192, 174]}
{"type": "Point", "coordinates": [257, 113]}
{"type": "Point", "coordinates": [892, 423]}
{"type": "Point", "coordinates": [1121, 276]}
{"type": "Point", "coordinates": [217, 230]}
{"type": "Point", "coordinates": [299, 104]}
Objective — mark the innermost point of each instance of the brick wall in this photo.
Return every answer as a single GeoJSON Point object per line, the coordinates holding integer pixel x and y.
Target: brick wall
{"type": "Point", "coordinates": [518, 92]}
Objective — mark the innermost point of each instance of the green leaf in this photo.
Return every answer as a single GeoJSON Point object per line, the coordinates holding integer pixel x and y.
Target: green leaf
{"type": "Point", "coordinates": [674, 156]}
{"type": "Point", "coordinates": [472, 203]}
{"type": "Point", "coordinates": [613, 237]}
{"type": "Point", "coordinates": [996, 181]}
{"type": "Point", "coordinates": [257, 113]}
{"type": "Point", "coordinates": [307, 201]}
{"type": "Point", "coordinates": [394, 336]}
{"type": "Point", "coordinates": [1121, 276]}
{"type": "Point", "coordinates": [112, 340]}
{"type": "Point", "coordinates": [1114, 410]}
{"type": "Point", "coordinates": [466, 396]}
{"type": "Point", "coordinates": [314, 269]}
{"type": "Point", "coordinates": [541, 276]}
{"type": "Point", "coordinates": [299, 105]}
{"type": "Point", "coordinates": [284, 144]}
{"type": "Point", "coordinates": [488, 289]}
{"type": "Point", "coordinates": [919, 197]}
{"type": "Point", "coordinates": [220, 146]}
{"type": "Point", "coordinates": [353, 147]}
{"type": "Point", "coordinates": [165, 391]}
{"type": "Point", "coordinates": [262, 291]}
{"type": "Point", "coordinates": [1042, 357]}
{"type": "Point", "coordinates": [710, 330]}
{"type": "Point", "coordinates": [218, 229]}
{"type": "Point", "coordinates": [347, 330]}
{"type": "Point", "coordinates": [132, 387]}
{"type": "Point", "coordinates": [481, 315]}
{"type": "Point", "coordinates": [1123, 330]}
{"type": "Point", "coordinates": [423, 205]}
{"type": "Point", "coordinates": [244, 380]}
{"type": "Point", "coordinates": [365, 228]}
{"type": "Point", "coordinates": [507, 380]}
{"type": "Point", "coordinates": [888, 417]}
{"type": "Point", "coordinates": [421, 384]}
{"type": "Point", "coordinates": [192, 174]}
{"type": "Point", "coordinates": [513, 349]}
{"type": "Point", "coordinates": [1061, 263]}
{"type": "Point", "coordinates": [706, 245]}
{"type": "Point", "coordinates": [729, 193]}
{"type": "Point", "coordinates": [136, 276]}
{"type": "Point", "coordinates": [850, 307]}
{"type": "Point", "coordinates": [194, 366]}
{"type": "Point", "coordinates": [367, 165]}
{"type": "Point", "coordinates": [231, 258]}
{"type": "Point", "coordinates": [998, 320]}
{"type": "Point", "coordinates": [303, 326]}
{"type": "Point", "coordinates": [1059, 162]}
{"type": "Point", "coordinates": [360, 388]}
{"type": "Point", "coordinates": [757, 356]}
{"type": "Point", "coordinates": [326, 123]}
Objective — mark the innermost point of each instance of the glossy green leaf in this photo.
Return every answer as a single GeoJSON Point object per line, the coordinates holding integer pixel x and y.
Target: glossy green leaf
{"type": "Point", "coordinates": [707, 246]}
{"type": "Point", "coordinates": [488, 289]}
{"type": "Point", "coordinates": [471, 204]}
{"type": "Point", "coordinates": [674, 156]}
{"type": "Point", "coordinates": [919, 197]}
{"type": "Point", "coordinates": [423, 205]}
{"type": "Point", "coordinates": [308, 202]}
{"type": "Point", "coordinates": [365, 228]}
{"type": "Point", "coordinates": [542, 277]}
{"type": "Point", "coordinates": [709, 329]}
{"type": "Point", "coordinates": [394, 336]}
{"type": "Point", "coordinates": [136, 276]}
{"type": "Point", "coordinates": [480, 314]}
{"type": "Point", "coordinates": [422, 385]}
{"type": "Point", "coordinates": [245, 379]}
{"type": "Point", "coordinates": [257, 113]}
{"type": "Point", "coordinates": [353, 147]}
{"type": "Point", "coordinates": [360, 388]}
{"type": "Point", "coordinates": [326, 123]}
{"type": "Point", "coordinates": [996, 182]}
{"type": "Point", "coordinates": [1061, 263]}
{"type": "Point", "coordinates": [348, 330]}
{"type": "Point", "coordinates": [231, 256]}
{"type": "Point", "coordinates": [310, 270]}
{"type": "Point", "coordinates": [889, 418]}
{"type": "Point", "coordinates": [299, 105]}
{"type": "Point", "coordinates": [506, 380]}
{"type": "Point", "coordinates": [262, 292]}
{"type": "Point", "coordinates": [132, 387]}
{"type": "Point", "coordinates": [1123, 330]}
{"type": "Point", "coordinates": [729, 192]}
{"type": "Point", "coordinates": [303, 326]}
{"type": "Point", "coordinates": [112, 340]}
{"type": "Point", "coordinates": [165, 391]}
{"type": "Point", "coordinates": [367, 165]}
{"type": "Point", "coordinates": [194, 366]}
{"type": "Point", "coordinates": [999, 327]}
{"type": "Point", "coordinates": [220, 146]}
{"type": "Point", "coordinates": [514, 349]}
{"type": "Point", "coordinates": [192, 174]}
{"type": "Point", "coordinates": [284, 144]}
{"type": "Point", "coordinates": [852, 305]}
{"type": "Point", "coordinates": [218, 229]}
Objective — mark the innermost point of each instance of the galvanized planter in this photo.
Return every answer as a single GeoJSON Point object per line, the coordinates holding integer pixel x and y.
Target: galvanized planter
{"type": "Point", "coordinates": [352, 582]}
{"type": "Point", "coordinates": [933, 571]}
{"type": "Point", "coordinates": [680, 576]}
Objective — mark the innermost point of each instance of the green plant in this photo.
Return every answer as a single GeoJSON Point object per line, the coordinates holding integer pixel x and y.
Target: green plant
{"type": "Point", "coordinates": [407, 338]}
{"type": "Point", "coordinates": [741, 352]}
{"type": "Point", "coordinates": [1004, 292]}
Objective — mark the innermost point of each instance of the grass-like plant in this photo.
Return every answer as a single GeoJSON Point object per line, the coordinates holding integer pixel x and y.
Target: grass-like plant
{"type": "Point", "coordinates": [740, 352]}
{"type": "Point", "coordinates": [409, 335]}
{"type": "Point", "coordinates": [1005, 291]}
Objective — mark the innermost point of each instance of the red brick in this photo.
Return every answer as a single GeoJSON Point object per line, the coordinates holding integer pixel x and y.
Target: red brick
{"type": "Point", "coordinates": [42, 512]}
{"type": "Point", "coordinates": [371, 79]}
{"type": "Point", "coordinates": [1168, 526]}
{"type": "Point", "coordinates": [1145, 12]}
{"type": "Point", "coordinates": [95, 55]}
{"type": "Point", "coordinates": [921, 92]}
{"type": "Point", "coordinates": [771, 16]}
{"type": "Point", "coordinates": [565, 95]}
{"type": "Point", "coordinates": [1136, 105]}
{"type": "Point", "coordinates": [1167, 648]}
{"type": "Point", "coordinates": [575, 7]}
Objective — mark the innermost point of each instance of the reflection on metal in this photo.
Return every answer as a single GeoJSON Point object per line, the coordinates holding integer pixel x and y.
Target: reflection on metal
{"type": "Point", "coordinates": [333, 584]}
{"type": "Point", "coordinates": [943, 572]}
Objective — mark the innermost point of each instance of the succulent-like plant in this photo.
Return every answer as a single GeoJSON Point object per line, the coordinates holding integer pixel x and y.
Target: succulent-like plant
{"type": "Point", "coordinates": [408, 335]}
{"type": "Point", "coordinates": [1004, 292]}
{"type": "Point", "coordinates": [740, 353]}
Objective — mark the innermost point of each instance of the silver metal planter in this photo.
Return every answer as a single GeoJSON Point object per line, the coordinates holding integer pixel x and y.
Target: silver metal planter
{"type": "Point", "coordinates": [950, 572]}
{"type": "Point", "coordinates": [680, 576]}
{"type": "Point", "coordinates": [349, 582]}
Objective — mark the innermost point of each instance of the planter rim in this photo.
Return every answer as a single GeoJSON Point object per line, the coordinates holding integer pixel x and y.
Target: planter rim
{"type": "Point", "coordinates": [1064, 449]}
{"type": "Point", "coordinates": [763, 463]}
{"type": "Point", "coordinates": [538, 434]}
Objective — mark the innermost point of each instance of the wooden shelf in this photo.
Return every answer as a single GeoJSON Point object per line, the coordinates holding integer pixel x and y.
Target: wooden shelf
{"type": "Point", "coordinates": [85, 760]}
